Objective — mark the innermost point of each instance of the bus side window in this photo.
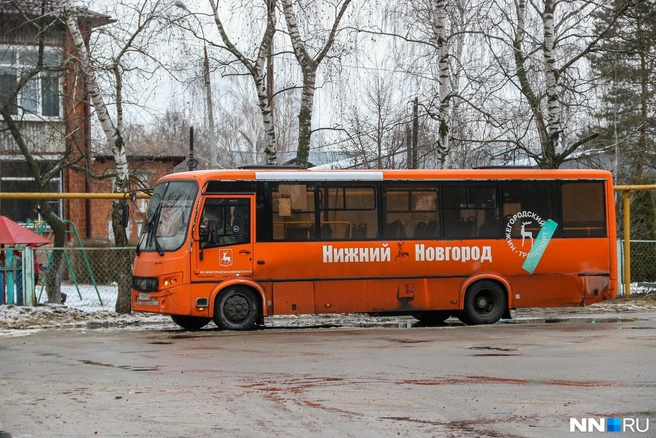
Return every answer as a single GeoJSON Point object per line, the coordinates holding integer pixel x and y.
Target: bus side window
{"type": "Point", "coordinates": [409, 208]}
{"type": "Point", "coordinates": [212, 225]}
{"type": "Point", "coordinates": [293, 212]}
{"type": "Point", "coordinates": [240, 227]}
{"type": "Point", "coordinates": [348, 213]}
{"type": "Point", "coordinates": [535, 198]}
{"type": "Point", "coordinates": [584, 214]}
{"type": "Point", "coordinates": [225, 222]}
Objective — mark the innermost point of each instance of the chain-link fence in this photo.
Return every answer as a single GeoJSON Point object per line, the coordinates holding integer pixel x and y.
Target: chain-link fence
{"type": "Point", "coordinates": [643, 265]}
{"type": "Point", "coordinates": [88, 277]}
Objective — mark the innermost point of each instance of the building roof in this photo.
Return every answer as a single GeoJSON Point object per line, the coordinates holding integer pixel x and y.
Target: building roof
{"type": "Point", "coordinates": [176, 159]}
{"type": "Point", "coordinates": [33, 8]}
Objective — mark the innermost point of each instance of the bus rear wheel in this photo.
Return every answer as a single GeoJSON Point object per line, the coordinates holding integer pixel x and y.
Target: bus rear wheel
{"type": "Point", "coordinates": [485, 303]}
{"type": "Point", "coordinates": [237, 308]}
{"type": "Point", "coordinates": [190, 322]}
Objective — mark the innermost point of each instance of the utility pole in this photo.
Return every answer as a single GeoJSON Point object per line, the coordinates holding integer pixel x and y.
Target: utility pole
{"type": "Point", "coordinates": [415, 132]}
{"type": "Point", "coordinates": [192, 163]}
{"type": "Point", "coordinates": [210, 111]}
{"type": "Point", "coordinates": [408, 146]}
{"type": "Point", "coordinates": [208, 92]}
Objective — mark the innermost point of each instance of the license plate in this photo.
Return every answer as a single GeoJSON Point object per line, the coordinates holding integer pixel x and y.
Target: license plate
{"type": "Point", "coordinates": [144, 297]}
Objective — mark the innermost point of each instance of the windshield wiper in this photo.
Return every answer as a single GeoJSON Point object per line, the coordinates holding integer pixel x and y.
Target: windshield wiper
{"type": "Point", "coordinates": [151, 230]}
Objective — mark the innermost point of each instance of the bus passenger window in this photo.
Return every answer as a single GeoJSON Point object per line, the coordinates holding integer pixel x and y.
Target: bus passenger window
{"type": "Point", "coordinates": [411, 212]}
{"type": "Point", "coordinates": [471, 211]}
{"type": "Point", "coordinates": [584, 214]}
{"type": "Point", "coordinates": [293, 212]}
{"type": "Point", "coordinates": [348, 213]}
{"type": "Point", "coordinates": [537, 199]}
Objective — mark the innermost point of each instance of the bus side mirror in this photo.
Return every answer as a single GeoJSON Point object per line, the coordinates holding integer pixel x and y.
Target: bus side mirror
{"type": "Point", "coordinates": [204, 233]}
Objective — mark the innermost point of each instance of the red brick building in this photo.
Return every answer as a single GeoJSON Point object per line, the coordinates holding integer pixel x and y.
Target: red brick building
{"type": "Point", "coordinates": [96, 214]}
{"type": "Point", "coordinates": [53, 117]}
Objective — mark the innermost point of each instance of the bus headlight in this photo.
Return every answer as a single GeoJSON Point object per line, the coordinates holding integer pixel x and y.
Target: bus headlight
{"type": "Point", "coordinates": [171, 280]}
{"type": "Point", "coordinates": [145, 284]}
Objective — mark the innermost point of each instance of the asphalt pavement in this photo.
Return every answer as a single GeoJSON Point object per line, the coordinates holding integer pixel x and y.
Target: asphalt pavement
{"type": "Point", "coordinates": [538, 376]}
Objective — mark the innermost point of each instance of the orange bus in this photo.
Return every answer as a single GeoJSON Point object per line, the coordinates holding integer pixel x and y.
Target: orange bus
{"type": "Point", "coordinates": [235, 246]}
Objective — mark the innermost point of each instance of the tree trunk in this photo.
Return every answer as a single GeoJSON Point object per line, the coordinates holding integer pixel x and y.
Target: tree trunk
{"type": "Point", "coordinates": [114, 141]}
{"type": "Point", "coordinates": [550, 147]}
{"type": "Point", "coordinates": [545, 160]}
{"type": "Point", "coordinates": [309, 66]}
{"type": "Point", "coordinates": [443, 82]}
{"type": "Point", "coordinates": [644, 99]}
{"type": "Point", "coordinates": [122, 259]}
{"type": "Point", "coordinates": [257, 70]}
{"type": "Point", "coordinates": [305, 117]}
{"type": "Point", "coordinates": [53, 285]}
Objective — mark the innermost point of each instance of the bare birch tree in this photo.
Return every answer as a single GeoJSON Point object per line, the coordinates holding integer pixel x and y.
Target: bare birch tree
{"type": "Point", "coordinates": [435, 44]}
{"type": "Point", "coordinates": [549, 40]}
{"type": "Point", "coordinates": [146, 15]}
{"type": "Point", "coordinates": [309, 64]}
{"type": "Point", "coordinates": [257, 69]}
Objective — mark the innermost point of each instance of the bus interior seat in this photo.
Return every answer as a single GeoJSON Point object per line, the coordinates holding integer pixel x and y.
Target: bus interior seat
{"type": "Point", "coordinates": [432, 229]}
{"type": "Point", "coordinates": [396, 230]}
{"type": "Point", "coordinates": [470, 227]}
{"type": "Point", "coordinates": [326, 232]}
{"type": "Point", "coordinates": [459, 229]}
{"type": "Point", "coordinates": [360, 232]}
{"type": "Point", "coordinates": [420, 230]}
{"type": "Point", "coordinates": [349, 231]}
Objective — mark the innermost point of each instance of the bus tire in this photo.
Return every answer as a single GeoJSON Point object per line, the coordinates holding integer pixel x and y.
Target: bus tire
{"type": "Point", "coordinates": [190, 322]}
{"type": "Point", "coordinates": [237, 308]}
{"type": "Point", "coordinates": [436, 317]}
{"type": "Point", "coordinates": [485, 303]}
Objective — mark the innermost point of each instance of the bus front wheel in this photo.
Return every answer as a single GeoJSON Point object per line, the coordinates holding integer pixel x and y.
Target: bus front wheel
{"type": "Point", "coordinates": [237, 308]}
{"type": "Point", "coordinates": [485, 303]}
{"type": "Point", "coordinates": [190, 322]}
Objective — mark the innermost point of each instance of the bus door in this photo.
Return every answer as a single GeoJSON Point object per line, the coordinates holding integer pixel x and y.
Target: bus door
{"type": "Point", "coordinates": [223, 244]}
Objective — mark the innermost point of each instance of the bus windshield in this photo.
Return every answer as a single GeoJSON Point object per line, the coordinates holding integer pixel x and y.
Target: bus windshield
{"type": "Point", "coordinates": [167, 217]}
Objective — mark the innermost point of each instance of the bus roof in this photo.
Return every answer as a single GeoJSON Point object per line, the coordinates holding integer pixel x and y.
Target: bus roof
{"type": "Point", "coordinates": [286, 174]}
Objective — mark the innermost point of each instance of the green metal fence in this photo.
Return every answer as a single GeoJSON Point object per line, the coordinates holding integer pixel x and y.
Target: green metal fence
{"type": "Point", "coordinates": [643, 265]}
{"type": "Point", "coordinates": [88, 277]}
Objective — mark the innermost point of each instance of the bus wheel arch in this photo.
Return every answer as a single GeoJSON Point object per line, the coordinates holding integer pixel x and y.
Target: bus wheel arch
{"type": "Point", "coordinates": [237, 307]}
{"type": "Point", "coordinates": [220, 287]}
{"type": "Point", "coordinates": [503, 282]}
{"type": "Point", "coordinates": [485, 302]}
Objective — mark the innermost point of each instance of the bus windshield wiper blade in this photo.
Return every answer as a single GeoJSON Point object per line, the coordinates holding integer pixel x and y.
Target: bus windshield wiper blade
{"type": "Point", "coordinates": [151, 230]}
{"type": "Point", "coordinates": [158, 247]}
